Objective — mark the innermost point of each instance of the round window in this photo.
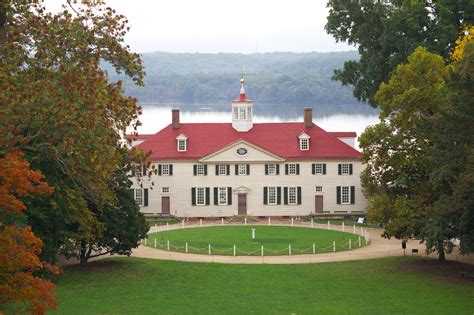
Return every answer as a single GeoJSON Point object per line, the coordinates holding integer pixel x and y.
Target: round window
{"type": "Point", "coordinates": [242, 151]}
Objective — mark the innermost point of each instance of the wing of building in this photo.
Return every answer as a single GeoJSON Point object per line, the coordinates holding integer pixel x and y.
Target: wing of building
{"type": "Point", "coordinates": [245, 168]}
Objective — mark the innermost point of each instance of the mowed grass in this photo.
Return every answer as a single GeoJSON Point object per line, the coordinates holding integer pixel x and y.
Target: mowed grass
{"type": "Point", "coordinates": [394, 285]}
{"type": "Point", "coordinates": [275, 240]}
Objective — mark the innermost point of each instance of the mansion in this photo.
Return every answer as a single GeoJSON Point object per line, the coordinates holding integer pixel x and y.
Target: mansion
{"type": "Point", "coordinates": [246, 168]}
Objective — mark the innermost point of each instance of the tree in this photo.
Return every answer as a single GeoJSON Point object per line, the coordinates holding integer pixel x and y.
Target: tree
{"type": "Point", "coordinates": [19, 247]}
{"type": "Point", "coordinates": [59, 107]}
{"type": "Point", "coordinates": [396, 180]}
{"type": "Point", "coordinates": [387, 33]}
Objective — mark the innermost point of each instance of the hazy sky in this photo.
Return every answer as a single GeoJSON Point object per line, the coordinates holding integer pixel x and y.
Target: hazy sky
{"type": "Point", "coordinates": [244, 26]}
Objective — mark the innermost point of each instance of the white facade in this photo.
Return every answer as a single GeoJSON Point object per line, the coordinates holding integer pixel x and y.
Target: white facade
{"type": "Point", "coordinates": [182, 181]}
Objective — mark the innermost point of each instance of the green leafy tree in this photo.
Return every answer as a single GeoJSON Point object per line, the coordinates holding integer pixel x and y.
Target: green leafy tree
{"type": "Point", "coordinates": [387, 33]}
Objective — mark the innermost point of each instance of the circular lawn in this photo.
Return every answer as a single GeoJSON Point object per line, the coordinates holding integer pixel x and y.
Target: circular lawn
{"type": "Point", "coordinates": [276, 240]}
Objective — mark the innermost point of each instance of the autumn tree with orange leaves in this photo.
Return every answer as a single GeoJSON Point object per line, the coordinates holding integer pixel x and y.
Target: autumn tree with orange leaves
{"type": "Point", "coordinates": [19, 247]}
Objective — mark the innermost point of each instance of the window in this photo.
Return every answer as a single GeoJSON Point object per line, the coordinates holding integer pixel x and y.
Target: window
{"type": "Point", "coordinates": [304, 144]}
{"type": "Point", "coordinates": [318, 189]}
{"type": "Point", "coordinates": [345, 169]}
{"type": "Point", "coordinates": [292, 169]}
{"type": "Point", "coordinates": [292, 197]}
{"type": "Point", "coordinates": [249, 112]}
{"type": "Point", "coordinates": [200, 169]}
{"type": "Point", "coordinates": [272, 193]}
{"type": "Point", "coordinates": [200, 196]}
{"type": "Point", "coordinates": [236, 113]}
{"type": "Point", "coordinates": [165, 190]}
{"type": "Point", "coordinates": [242, 169]}
{"type": "Point", "coordinates": [139, 197]}
{"type": "Point", "coordinates": [345, 195]}
{"type": "Point", "coordinates": [318, 169]}
{"type": "Point", "coordinates": [243, 114]}
{"type": "Point", "coordinates": [222, 196]}
{"type": "Point", "coordinates": [165, 169]}
{"type": "Point", "coordinates": [222, 169]}
{"type": "Point", "coordinates": [182, 145]}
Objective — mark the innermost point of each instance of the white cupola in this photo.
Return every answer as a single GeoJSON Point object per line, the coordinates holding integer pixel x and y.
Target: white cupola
{"type": "Point", "coordinates": [242, 111]}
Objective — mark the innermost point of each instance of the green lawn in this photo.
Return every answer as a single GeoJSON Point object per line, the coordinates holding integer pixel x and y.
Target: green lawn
{"type": "Point", "coordinates": [275, 240]}
{"type": "Point", "coordinates": [381, 286]}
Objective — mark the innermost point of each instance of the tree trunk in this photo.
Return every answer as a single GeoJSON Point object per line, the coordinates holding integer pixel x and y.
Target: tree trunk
{"type": "Point", "coordinates": [440, 250]}
{"type": "Point", "coordinates": [84, 254]}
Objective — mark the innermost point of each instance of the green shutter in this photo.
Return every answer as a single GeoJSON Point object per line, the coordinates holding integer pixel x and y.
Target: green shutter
{"type": "Point", "coordinates": [193, 196]}
{"type": "Point", "coordinates": [339, 169]}
{"type": "Point", "coordinates": [298, 195]}
{"type": "Point", "coordinates": [216, 196]}
{"type": "Point", "coordinates": [145, 199]}
{"type": "Point", "coordinates": [278, 169]}
{"type": "Point", "coordinates": [248, 169]}
{"type": "Point", "coordinates": [286, 169]}
{"type": "Point", "coordinates": [266, 169]}
{"type": "Point", "coordinates": [297, 169]}
{"type": "Point", "coordinates": [171, 169]}
{"type": "Point", "coordinates": [278, 195]}
{"type": "Point", "coordinates": [236, 169]}
{"type": "Point", "coordinates": [217, 169]}
{"type": "Point", "coordinates": [324, 169]}
{"type": "Point", "coordinates": [352, 195]}
{"type": "Point", "coordinates": [265, 195]}
{"type": "Point", "coordinates": [313, 168]}
{"type": "Point", "coordinates": [350, 169]}
{"type": "Point", "coordinates": [228, 169]}
{"type": "Point", "coordinates": [285, 195]}
{"type": "Point", "coordinates": [208, 196]}
{"type": "Point", "coordinates": [338, 195]}
{"type": "Point", "coordinates": [205, 169]}
{"type": "Point", "coordinates": [229, 195]}
{"type": "Point", "coordinates": [195, 169]}
{"type": "Point", "coordinates": [159, 169]}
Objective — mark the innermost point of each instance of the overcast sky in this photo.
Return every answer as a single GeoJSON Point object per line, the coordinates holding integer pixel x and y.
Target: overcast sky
{"type": "Point", "coordinates": [244, 26]}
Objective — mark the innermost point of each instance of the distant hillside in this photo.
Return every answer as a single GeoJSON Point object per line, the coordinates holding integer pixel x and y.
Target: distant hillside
{"type": "Point", "coordinates": [281, 78]}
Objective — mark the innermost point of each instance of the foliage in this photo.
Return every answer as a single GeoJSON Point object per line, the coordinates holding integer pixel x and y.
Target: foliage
{"type": "Point", "coordinates": [394, 285]}
{"type": "Point", "coordinates": [276, 79]}
{"type": "Point", "coordinates": [467, 35]}
{"type": "Point", "coordinates": [61, 109]}
{"type": "Point", "coordinates": [419, 169]}
{"type": "Point", "coordinates": [387, 33]}
{"type": "Point", "coordinates": [19, 247]}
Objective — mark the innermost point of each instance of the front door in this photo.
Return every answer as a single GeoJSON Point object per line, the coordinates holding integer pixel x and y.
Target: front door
{"type": "Point", "coordinates": [318, 204]}
{"type": "Point", "coordinates": [242, 208]}
{"type": "Point", "coordinates": [165, 205]}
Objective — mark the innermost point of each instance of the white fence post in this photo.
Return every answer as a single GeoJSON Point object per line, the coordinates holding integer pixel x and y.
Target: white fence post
{"type": "Point", "coordinates": [167, 226]}
{"type": "Point", "coordinates": [182, 223]}
{"type": "Point", "coordinates": [292, 222]}
{"type": "Point", "coordinates": [234, 250]}
{"type": "Point", "coordinates": [168, 245]}
{"type": "Point", "coordinates": [354, 229]}
{"type": "Point", "coordinates": [200, 222]}
{"type": "Point", "coordinates": [262, 250]}
{"type": "Point", "coordinates": [289, 249]}
{"type": "Point", "coordinates": [155, 242]}
{"type": "Point", "coordinates": [334, 246]}
{"type": "Point", "coordinates": [359, 241]}
{"type": "Point", "coordinates": [343, 227]}
{"type": "Point", "coordinates": [186, 250]}
{"type": "Point", "coordinates": [312, 222]}
{"type": "Point", "coordinates": [245, 220]}
{"type": "Point", "coordinates": [155, 225]}
{"type": "Point", "coordinates": [329, 227]}
{"type": "Point", "coordinates": [350, 243]}
{"type": "Point", "coordinates": [269, 221]}
{"type": "Point", "coordinates": [314, 248]}
{"type": "Point", "coordinates": [209, 249]}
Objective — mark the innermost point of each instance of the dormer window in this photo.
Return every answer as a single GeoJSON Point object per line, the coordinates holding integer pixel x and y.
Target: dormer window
{"type": "Point", "coordinates": [181, 142]}
{"type": "Point", "coordinates": [304, 141]}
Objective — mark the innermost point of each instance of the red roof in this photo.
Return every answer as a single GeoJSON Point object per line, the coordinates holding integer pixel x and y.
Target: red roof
{"type": "Point", "coordinates": [242, 99]}
{"type": "Point", "coordinates": [347, 134]}
{"type": "Point", "coordinates": [278, 138]}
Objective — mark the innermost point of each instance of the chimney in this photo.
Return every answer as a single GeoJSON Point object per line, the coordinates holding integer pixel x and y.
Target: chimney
{"type": "Point", "coordinates": [308, 117]}
{"type": "Point", "coordinates": [175, 118]}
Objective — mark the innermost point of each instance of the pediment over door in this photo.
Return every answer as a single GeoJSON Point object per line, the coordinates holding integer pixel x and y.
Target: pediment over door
{"type": "Point", "coordinates": [242, 190]}
{"type": "Point", "coordinates": [241, 152]}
